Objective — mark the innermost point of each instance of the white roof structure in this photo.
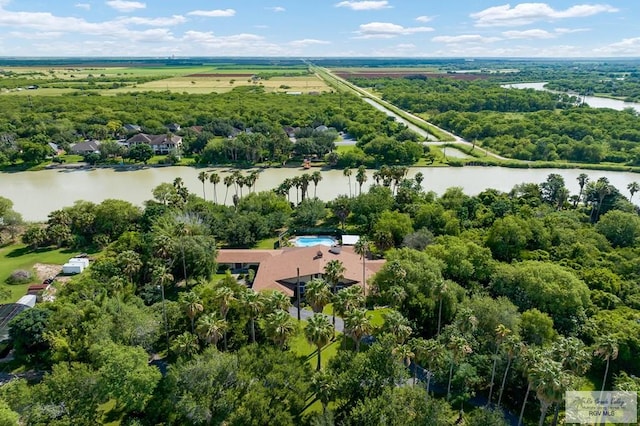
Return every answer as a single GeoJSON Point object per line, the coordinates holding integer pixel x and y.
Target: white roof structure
{"type": "Point", "coordinates": [350, 240]}
{"type": "Point", "coordinates": [28, 300]}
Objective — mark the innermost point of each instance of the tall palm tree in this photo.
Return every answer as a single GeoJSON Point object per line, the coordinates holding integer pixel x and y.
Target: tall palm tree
{"type": "Point", "coordinates": [347, 299]}
{"type": "Point", "coordinates": [228, 181]}
{"type": "Point", "coordinates": [317, 294]}
{"type": "Point", "coordinates": [334, 271]}
{"type": "Point", "coordinates": [419, 178]}
{"type": "Point", "coordinates": [512, 346]}
{"type": "Point", "coordinates": [316, 177]}
{"type": "Point", "coordinates": [361, 177]}
{"type": "Point", "coordinates": [549, 382]}
{"type": "Point", "coordinates": [279, 327]}
{"type": "Point", "coordinates": [607, 349]}
{"type": "Point", "coordinates": [251, 180]}
{"type": "Point", "coordinates": [633, 187]}
{"type": "Point", "coordinates": [202, 177]}
{"type": "Point", "coordinates": [130, 263]}
{"type": "Point", "coordinates": [458, 349]}
{"type": "Point", "coordinates": [224, 297]}
{"type": "Point", "coordinates": [432, 353]}
{"type": "Point", "coordinates": [397, 325]}
{"type": "Point", "coordinates": [296, 182]}
{"type": "Point", "coordinates": [241, 181]}
{"type": "Point", "coordinates": [357, 325]}
{"type": "Point", "coordinates": [573, 354]}
{"type": "Point", "coordinates": [214, 179]}
{"type": "Point", "coordinates": [501, 333]}
{"type": "Point", "coordinates": [192, 305]}
{"type": "Point", "coordinates": [211, 328]}
{"type": "Point", "coordinates": [318, 332]}
{"type": "Point", "coordinates": [529, 362]}
{"type": "Point", "coordinates": [440, 290]}
{"type": "Point", "coordinates": [305, 180]}
{"type": "Point", "coordinates": [347, 172]}
{"type": "Point", "coordinates": [254, 304]}
{"type": "Point", "coordinates": [583, 179]}
{"type": "Point", "coordinates": [362, 247]}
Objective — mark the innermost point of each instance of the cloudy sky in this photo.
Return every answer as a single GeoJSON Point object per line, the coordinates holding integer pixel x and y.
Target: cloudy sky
{"type": "Point", "coordinates": [408, 28]}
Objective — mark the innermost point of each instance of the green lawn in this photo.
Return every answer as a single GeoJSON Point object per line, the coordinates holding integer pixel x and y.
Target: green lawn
{"type": "Point", "coordinates": [267, 243]}
{"type": "Point", "coordinates": [301, 347]}
{"type": "Point", "coordinates": [17, 256]}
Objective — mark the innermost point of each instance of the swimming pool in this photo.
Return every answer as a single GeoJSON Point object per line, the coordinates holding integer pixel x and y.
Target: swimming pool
{"type": "Point", "coordinates": [313, 240]}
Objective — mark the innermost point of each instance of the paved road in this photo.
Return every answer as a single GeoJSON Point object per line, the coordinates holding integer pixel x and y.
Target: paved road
{"type": "Point", "coordinates": [376, 102]}
{"type": "Point", "coordinates": [305, 314]}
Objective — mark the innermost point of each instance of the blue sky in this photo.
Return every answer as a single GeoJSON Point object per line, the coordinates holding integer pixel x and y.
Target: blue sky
{"type": "Point", "coordinates": [371, 28]}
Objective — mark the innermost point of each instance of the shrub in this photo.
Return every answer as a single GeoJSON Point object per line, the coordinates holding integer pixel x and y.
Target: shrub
{"type": "Point", "coordinates": [19, 276]}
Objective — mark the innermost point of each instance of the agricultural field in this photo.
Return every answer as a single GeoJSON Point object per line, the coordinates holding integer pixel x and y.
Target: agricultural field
{"type": "Point", "coordinates": [53, 81]}
{"type": "Point", "coordinates": [399, 72]}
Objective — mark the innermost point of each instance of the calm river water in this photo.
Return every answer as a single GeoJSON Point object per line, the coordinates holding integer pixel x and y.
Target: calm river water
{"type": "Point", "coordinates": [592, 101]}
{"type": "Point", "coordinates": [36, 194]}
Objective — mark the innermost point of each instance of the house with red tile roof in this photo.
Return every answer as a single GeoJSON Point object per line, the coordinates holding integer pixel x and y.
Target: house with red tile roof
{"type": "Point", "coordinates": [278, 269]}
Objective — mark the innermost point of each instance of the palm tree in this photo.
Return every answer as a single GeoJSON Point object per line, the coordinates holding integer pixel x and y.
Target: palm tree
{"type": "Point", "coordinates": [501, 333]}
{"type": "Point", "coordinates": [348, 172]}
{"type": "Point", "coordinates": [185, 345]}
{"type": "Point", "coordinates": [279, 327]}
{"type": "Point", "coordinates": [432, 353]}
{"type": "Point", "coordinates": [529, 361]}
{"type": "Point", "coordinates": [297, 182]}
{"type": "Point", "coordinates": [419, 178]}
{"type": "Point", "coordinates": [323, 385]}
{"type": "Point", "coordinates": [406, 354]}
{"type": "Point", "coordinates": [251, 180]}
{"type": "Point", "coordinates": [254, 304]}
{"type": "Point", "coordinates": [191, 304]}
{"type": "Point", "coordinates": [318, 332]}
{"type": "Point", "coordinates": [633, 187]}
{"type": "Point", "coordinates": [607, 349]}
{"type": "Point", "coordinates": [241, 181]}
{"type": "Point", "coordinates": [285, 187]}
{"type": "Point", "coordinates": [602, 189]}
{"type": "Point", "coordinates": [317, 294]}
{"type": "Point", "coordinates": [549, 380]}
{"type": "Point", "coordinates": [316, 177]}
{"type": "Point", "coordinates": [357, 325]}
{"type": "Point", "coordinates": [440, 290]}
{"type": "Point", "coordinates": [130, 263]}
{"type": "Point", "coordinates": [583, 179]}
{"type": "Point", "coordinates": [202, 177]}
{"type": "Point", "coordinates": [214, 178]}
{"type": "Point", "coordinates": [347, 299]}
{"type": "Point", "coordinates": [573, 354]}
{"type": "Point", "coordinates": [211, 328]}
{"type": "Point", "coordinates": [305, 180]}
{"type": "Point", "coordinates": [362, 247]}
{"type": "Point", "coordinates": [512, 346]}
{"type": "Point", "coordinates": [228, 181]}
{"type": "Point", "coordinates": [224, 297]}
{"type": "Point", "coordinates": [276, 301]}
{"type": "Point", "coordinates": [361, 177]}
{"type": "Point", "coordinates": [459, 348]}
{"type": "Point", "coordinates": [334, 272]}
{"type": "Point", "coordinates": [397, 325]}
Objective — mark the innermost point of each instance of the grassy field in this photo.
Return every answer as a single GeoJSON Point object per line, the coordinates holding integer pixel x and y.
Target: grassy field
{"type": "Point", "coordinates": [190, 79]}
{"type": "Point", "coordinates": [17, 256]}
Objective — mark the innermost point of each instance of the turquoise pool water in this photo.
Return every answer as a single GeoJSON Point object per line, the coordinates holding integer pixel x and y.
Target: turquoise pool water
{"type": "Point", "coordinates": [308, 241]}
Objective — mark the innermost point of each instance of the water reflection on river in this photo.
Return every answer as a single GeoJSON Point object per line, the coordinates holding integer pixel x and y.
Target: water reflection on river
{"type": "Point", "coordinates": [36, 194]}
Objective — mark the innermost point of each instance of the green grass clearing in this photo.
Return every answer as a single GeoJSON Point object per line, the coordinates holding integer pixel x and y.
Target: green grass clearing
{"type": "Point", "coordinates": [17, 256]}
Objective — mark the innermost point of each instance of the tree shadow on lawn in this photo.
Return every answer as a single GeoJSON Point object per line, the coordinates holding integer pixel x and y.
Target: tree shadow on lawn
{"type": "Point", "coordinates": [27, 250]}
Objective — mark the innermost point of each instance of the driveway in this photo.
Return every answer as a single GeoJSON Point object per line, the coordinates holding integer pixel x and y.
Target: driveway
{"type": "Point", "coordinates": [305, 314]}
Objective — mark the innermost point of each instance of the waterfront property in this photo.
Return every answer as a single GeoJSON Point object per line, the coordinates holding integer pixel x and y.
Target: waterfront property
{"type": "Point", "coordinates": [278, 269]}
{"type": "Point", "coordinates": [161, 144]}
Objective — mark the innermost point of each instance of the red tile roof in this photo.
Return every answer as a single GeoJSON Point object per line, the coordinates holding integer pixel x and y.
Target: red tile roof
{"type": "Point", "coordinates": [279, 265]}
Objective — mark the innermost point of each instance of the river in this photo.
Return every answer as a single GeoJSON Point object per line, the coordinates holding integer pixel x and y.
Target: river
{"type": "Point", "coordinates": [592, 101]}
{"type": "Point", "coordinates": [36, 194]}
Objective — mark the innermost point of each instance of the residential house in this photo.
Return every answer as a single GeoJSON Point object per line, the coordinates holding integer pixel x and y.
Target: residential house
{"type": "Point", "coordinates": [278, 269]}
{"type": "Point", "coordinates": [161, 144]}
{"type": "Point", "coordinates": [132, 128]}
{"type": "Point", "coordinates": [55, 149]}
{"type": "Point", "coordinates": [86, 147]}
{"type": "Point", "coordinates": [173, 127]}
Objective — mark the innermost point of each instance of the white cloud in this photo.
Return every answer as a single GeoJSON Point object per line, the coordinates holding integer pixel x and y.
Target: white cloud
{"type": "Point", "coordinates": [364, 5]}
{"type": "Point", "coordinates": [217, 13]}
{"type": "Point", "coordinates": [529, 34]}
{"type": "Point", "coordinates": [308, 42]}
{"type": "Point", "coordinates": [387, 30]}
{"type": "Point", "coordinates": [276, 9]}
{"type": "Point", "coordinates": [464, 39]}
{"type": "Point", "coordinates": [126, 6]}
{"type": "Point", "coordinates": [570, 30]}
{"type": "Point", "coordinates": [527, 13]}
{"type": "Point", "coordinates": [424, 18]}
{"type": "Point", "coordinates": [153, 22]}
{"type": "Point", "coordinates": [85, 6]}
{"type": "Point", "coordinates": [48, 35]}
{"type": "Point", "coordinates": [625, 47]}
